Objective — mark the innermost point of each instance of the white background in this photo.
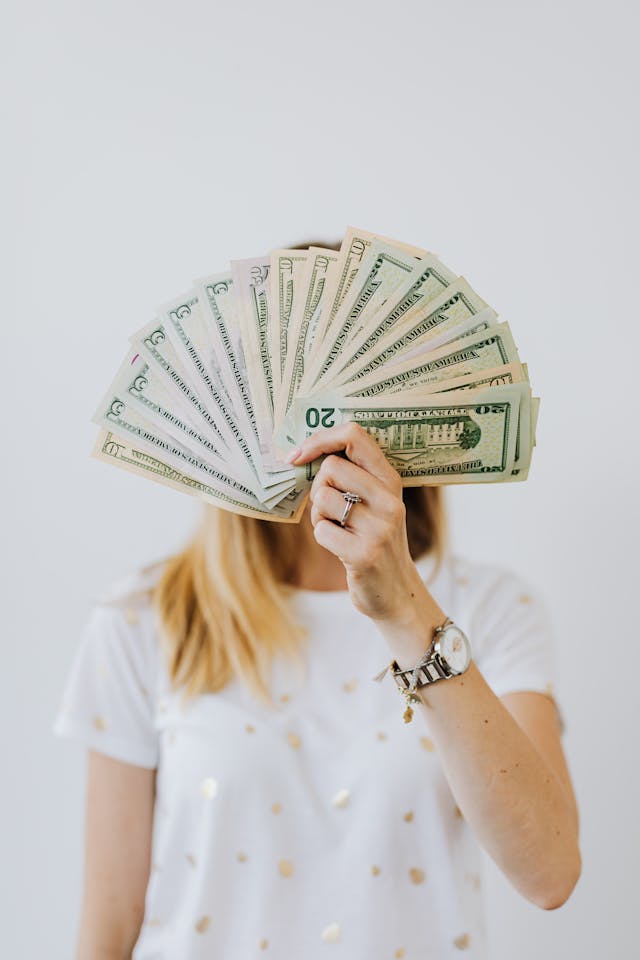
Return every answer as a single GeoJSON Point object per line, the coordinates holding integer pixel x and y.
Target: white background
{"type": "Point", "coordinates": [148, 143]}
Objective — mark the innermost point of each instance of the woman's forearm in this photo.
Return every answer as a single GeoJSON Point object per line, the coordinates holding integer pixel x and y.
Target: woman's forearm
{"type": "Point", "coordinates": [516, 804]}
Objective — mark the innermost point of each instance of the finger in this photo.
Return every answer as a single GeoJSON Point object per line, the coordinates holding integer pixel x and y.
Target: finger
{"type": "Point", "coordinates": [360, 448]}
{"type": "Point", "coordinates": [363, 525]}
{"type": "Point", "coordinates": [344, 475]}
{"type": "Point", "coordinates": [329, 504]}
{"type": "Point", "coordinates": [338, 540]}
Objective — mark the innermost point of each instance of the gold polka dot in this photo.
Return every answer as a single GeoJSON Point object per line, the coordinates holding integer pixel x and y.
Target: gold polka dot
{"type": "Point", "coordinates": [463, 581]}
{"type": "Point", "coordinates": [162, 705]}
{"type": "Point", "coordinates": [350, 685]}
{"type": "Point", "coordinates": [331, 933]}
{"type": "Point", "coordinates": [408, 817]}
{"type": "Point", "coordinates": [285, 697]}
{"type": "Point", "coordinates": [153, 922]}
{"type": "Point", "coordinates": [341, 798]}
{"type": "Point", "coordinates": [474, 879]}
{"type": "Point", "coordinates": [241, 856]}
{"type": "Point", "coordinates": [191, 859]}
{"type": "Point", "coordinates": [549, 689]}
{"type": "Point", "coordinates": [131, 617]}
{"type": "Point", "coordinates": [294, 740]}
{"type": "Point", "coordinates": [458, 812]}
{"type": "Point", "coordinates": [250, 728]}
{"type": "Point", "coordinates": [417, 875]}
{"type": "Point", "coordinates": [209, 788]}
{"type": "Point", "coordinates": [381, 735]}
{"type": "Point", "coordinates": [375, 870]}
{"type": "Point", "coordinates": [263, 944]}
{"type": "Point", "coordinates": [156, 867]}
{"type": "Point", "coordinates": [462, 942]}
{"type": "Point", "coordinates": [428, 744]}
{"type": "Point", "coordinates": [285, 867]}
{"type": "Point", "coordinates": [99, 723]}
{"type": "Point", "coordinates": [276, 807]}
{"type": "Point", "coordinates": [399, 952]}
{"type": "Point", "coordinates": [203, 924]}
{"type": "Point", "coordinates": [102, 670]}
{"type": "Point", "coordinates": [524, 598]}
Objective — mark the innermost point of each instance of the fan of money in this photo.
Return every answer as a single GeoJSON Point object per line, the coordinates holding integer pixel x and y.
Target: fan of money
{"type": "Point", "coordinates": [237, 371]}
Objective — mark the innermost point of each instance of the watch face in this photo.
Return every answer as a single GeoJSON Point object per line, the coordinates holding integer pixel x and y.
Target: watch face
{"type": "Point", "coordinates": [454, 648]}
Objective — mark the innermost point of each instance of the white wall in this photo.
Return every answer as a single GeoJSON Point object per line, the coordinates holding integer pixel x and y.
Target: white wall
{"type": "Point", "coordinates": [147, 143]}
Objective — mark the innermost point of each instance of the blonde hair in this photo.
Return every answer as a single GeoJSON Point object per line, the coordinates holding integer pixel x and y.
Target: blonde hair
{"type": "Point", "coordinates": [223, 601]}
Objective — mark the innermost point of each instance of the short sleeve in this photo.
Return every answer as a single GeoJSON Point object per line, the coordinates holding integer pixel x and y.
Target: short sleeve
{"type": "Point", "coordinates": [514, 638]}
{"type": "Point", "coordinates": [107, 700]}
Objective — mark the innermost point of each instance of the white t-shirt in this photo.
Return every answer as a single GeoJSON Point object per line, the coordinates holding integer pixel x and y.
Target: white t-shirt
{"type": "Point", "coordinates": [326, 827]}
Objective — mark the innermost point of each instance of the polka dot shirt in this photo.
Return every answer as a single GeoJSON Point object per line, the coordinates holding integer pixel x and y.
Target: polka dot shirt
{"type": "Point", "coordinates": [325, 827]}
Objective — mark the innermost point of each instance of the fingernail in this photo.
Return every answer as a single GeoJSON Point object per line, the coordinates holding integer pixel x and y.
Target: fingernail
{"type": "Point", "coordinates": [293, 455]}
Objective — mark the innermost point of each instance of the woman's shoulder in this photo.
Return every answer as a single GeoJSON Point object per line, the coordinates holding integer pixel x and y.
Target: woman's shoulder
{"type": "Point", "coordinates": [133, 589]}
{"type": "Point", "coordinates": [470, 583]}
{"type": "Point", "coordinates": [498, 603]}
{"type": "Point", "coordinates": [115, 678]}
{"type": "Point", "coordinates": [482, 578]}
{"type": "Point", "coordinates": [486, 593]}
{"type": "Point", "coordinates": [122, 614]}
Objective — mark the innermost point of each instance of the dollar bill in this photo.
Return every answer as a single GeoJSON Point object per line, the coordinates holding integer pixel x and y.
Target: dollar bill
{"type": "Point", "coordinates": [535, 410]}
{"type": "Point", "coordinates": [195, 336]}
{"type": "Point", "coordinates": [127, 455]}
{"type": "Point", "coordinates": [495, 377]}
{"type": "Point", "coordinates": [509, 373]}
{"type": "Point", "coordinates": [152, 342]}
{"type": "Point", "coordinates": [185, 325]}
{"type": "Point", "coordinates": [288, 270]}
{"type": "Point", "coordinates": [473, 324]}
{"type": "Point", "coordinates": [320, 268]}
{"type": "Point", "coordinates": [216, 296]}
{"type": "Point", "coordinates": [455, 305]}
{"type": "Point", "coordinates": [366, 317]}
{"type": "Point", "coordinates": [457, 437]}
{"type": "Point", "coordinates": [353, 250]}
{"type": "Point", "coordinates": [489, 348]}
{"type": "Point", "coordinates": [383, 270]}
{"type": "Point", "coordinates": [119, 414]}
{"type": "Point", "coordinates": [251, 286]}
{"type": "Point", "coordinates": [141, 384]}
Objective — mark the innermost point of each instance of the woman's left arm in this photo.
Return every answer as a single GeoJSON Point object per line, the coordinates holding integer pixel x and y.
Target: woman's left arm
{"type": "Point", "coordinates": [503, 758]}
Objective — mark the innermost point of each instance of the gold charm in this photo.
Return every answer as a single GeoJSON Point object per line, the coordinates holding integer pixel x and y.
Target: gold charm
{"type": "Point", "coordinates": [409, 699]}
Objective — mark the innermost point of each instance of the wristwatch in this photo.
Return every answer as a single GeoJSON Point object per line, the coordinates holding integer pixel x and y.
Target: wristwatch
{"type": "Point", "coordinates": [448, 656]}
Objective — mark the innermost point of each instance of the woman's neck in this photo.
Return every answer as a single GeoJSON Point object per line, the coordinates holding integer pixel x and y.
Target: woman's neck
{"type": "Point", "coordinates": [315, 567]}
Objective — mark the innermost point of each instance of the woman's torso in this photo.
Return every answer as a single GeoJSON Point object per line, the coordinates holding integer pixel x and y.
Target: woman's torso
{"type": "Point", "coordinates": [326, 824]}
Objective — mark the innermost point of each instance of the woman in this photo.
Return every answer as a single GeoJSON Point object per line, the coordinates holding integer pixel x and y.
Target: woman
{"type": "Point", "coordinates": [321, 823]}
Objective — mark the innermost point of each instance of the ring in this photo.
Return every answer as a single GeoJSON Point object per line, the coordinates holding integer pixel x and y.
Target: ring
{"type": "Point", "coordinates": [351, 498]}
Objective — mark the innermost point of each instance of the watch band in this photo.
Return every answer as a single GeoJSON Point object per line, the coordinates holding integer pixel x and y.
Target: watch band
{"type": "Point", "coordinates": [434, 669]}
{"type": "Point", "coordinates": [428, 669]}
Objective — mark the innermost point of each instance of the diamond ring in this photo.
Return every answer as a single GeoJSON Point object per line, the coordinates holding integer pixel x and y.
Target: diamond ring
{"type": "Point", "coordinates": [350, 498]}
